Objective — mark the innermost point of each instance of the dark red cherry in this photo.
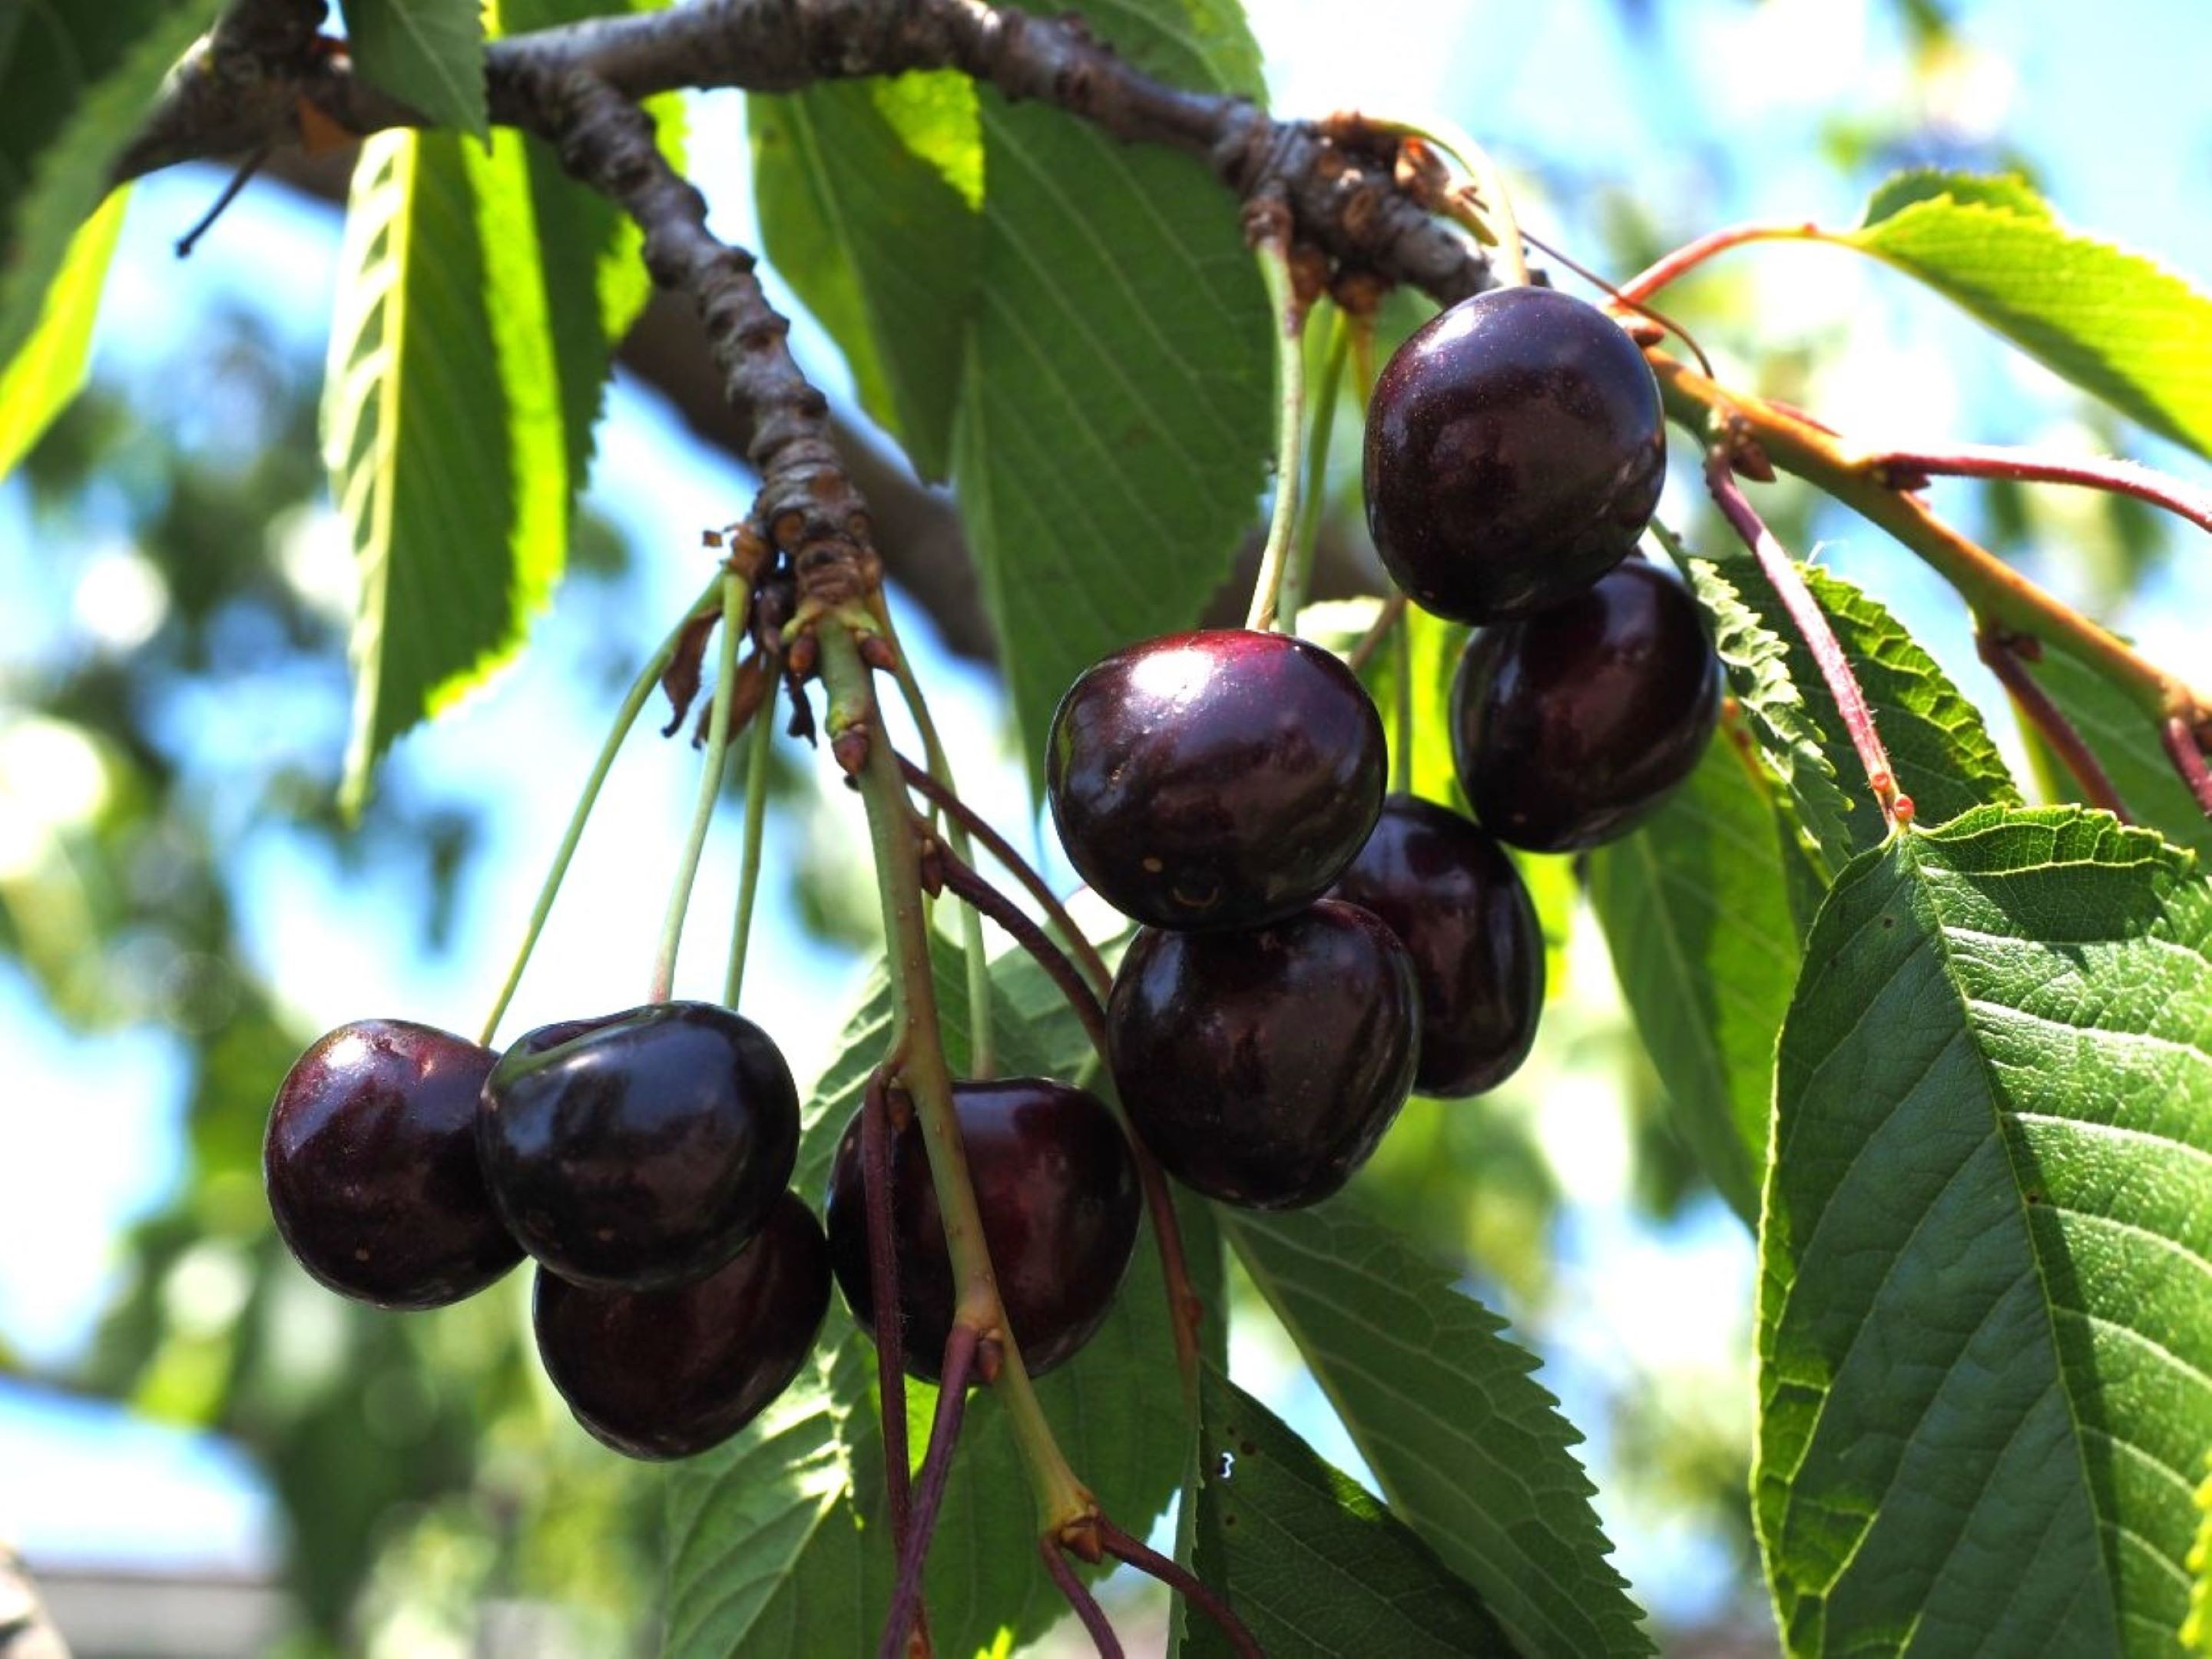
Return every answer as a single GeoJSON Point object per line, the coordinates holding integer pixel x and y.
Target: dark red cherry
{"type": "Point", "coordinates": [1057, 1190]}
{"type": "Point", "coordinates": [640, 1150]}
{"type": "Point", "coordinates": [668, 1373]}
{"type": "Point", "coordinates": [1570, 726]}
{"type": "Point", "coordinates": [1456, 903]}
{"type": "Point", "coordinates": [1514, 453]}
{"type": "Point", "coordinates": [371, 1166]}
{"type": "Point", "coordinates": [1263, 1067]}
{"type": "Point", "coordinates": [1214, 779]}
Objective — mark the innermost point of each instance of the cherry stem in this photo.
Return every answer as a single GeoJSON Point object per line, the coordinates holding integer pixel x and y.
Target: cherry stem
{"type": "Point", "coordinates": [982, 1055]}
{"type": "Point", "coordinates": [735, 591]}
{"type": "Point", "coordinates": [1659, 319]}
{"type": "Point", "coordinates": [2005, 658]}
{"type": "Point", "coordinates": [1297, 572]}
{"type": "Point", "coordinates": [1907, 469]}
{"type": "Point", "coordinates": [1185, 1309]}
{"type": "Point", "coordinates": [2187, 754]}
{"type": "Point", "coordinates": [1091, 1616]}
{"type": "Point", "coordinates": [1139, 1554]}
{"type": "Point", "coordinates": [1401, 748]}
{"type": "Point", "coordinates": [625, 717]}
{"type": "Point", "coordinates": [929, 1492]}
{"type": "Point", "coordinates": [756, 765]}
{"type": "Point", "coordinates": [1056, 916]}
{"type": "Point", "coordinates": [1290, 314]}
{"type": "Point", "coordinates": [891, 1320]}
{"type": "Point", "coordinates": [1392, 613]}
{"type": "Point", "coordinates": [1690, 255]}
{"type": "Point", "coordinates": [1061, 1498]}
{"type": "Point", "coordinates": [1992, 587]}
{"type": "Point", "coordinates": [1820, 639]}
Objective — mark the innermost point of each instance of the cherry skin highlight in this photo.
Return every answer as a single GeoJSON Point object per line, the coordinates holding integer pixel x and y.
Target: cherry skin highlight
{"type": "Point", "coordinates": [1057, 1189]}
{"type": "Point", "coordinates": [370, 1160]}
{"type": "Point", "coordinates": [1570, 726]}
{"type": "Point", "coordinates": [668, 1373]}
{"type": "Point", "coordinates": [1514, 454]}
{"type": "Point", "coordinates": [1454, 899]}
{"type": "Point", "coordinates": [1220, 778]}
{"type": "Point", "coordinates": [640, 1150]}
{"type": "Point", "coordinates": [1263, 1067]}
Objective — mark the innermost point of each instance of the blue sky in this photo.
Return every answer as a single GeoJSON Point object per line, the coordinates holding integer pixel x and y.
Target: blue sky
{"type": "Point", "coordinates": [1715, 113]}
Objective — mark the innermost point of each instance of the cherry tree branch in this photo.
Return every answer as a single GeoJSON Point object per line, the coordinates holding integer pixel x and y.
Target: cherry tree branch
{"type": "Point", "coordinates": [1910, 469]}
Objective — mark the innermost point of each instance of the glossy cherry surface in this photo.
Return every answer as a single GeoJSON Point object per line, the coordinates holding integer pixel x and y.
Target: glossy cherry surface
{"type": "Point", "coordinates": [1570, 726]}
{"type": "Point", "coordinates": [1451, 895]}
{"type": "Point", "coordinates": [1263, 1067]}
{"type": "Point", "coordinates": [1220, 778]}
{"type": "Point", "coordinates": [370, 1160]}
{"type": "Point", "coordinates": [642, 1149]}
{"type": "Point", "coordinates": [668, 1373]}
{"type": "Point", "coordinates": [1514, 453]}
{"type": "Point", "coordinates": [1057, 1190]}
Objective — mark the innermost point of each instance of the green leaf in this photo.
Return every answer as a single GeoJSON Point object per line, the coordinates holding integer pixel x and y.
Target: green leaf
{"type": "Point", "coordinates": [784, 1531]}
{"type": "Point", "coordinates": [1696, 910]}
{"type": "Point", "coordinates": [2197, 1629]}
{"type": "Point", "coordinates": [426, 53]}
{"type": "Point", "coordinates": [1470, 1450]}
{"type": "Point", "coordinates": [2123, 737]}
{"type": "Point", "coordinates": [1308, 1560]}
{"type": "Point", "coordinates": [2115, 322]}
{"type": "Point", "coordinates": [1985, 1301]}
{"type": "Point", "coordinates": [871, 195]}
{"type": "Point", "coordinates": [38, 385]}
{"type": "Point", "coordinates": [1115, 408]}
{"type": "Point", "coordinates": [1941, 753]}
{"type": "Point", "coordinates": [76, 82]}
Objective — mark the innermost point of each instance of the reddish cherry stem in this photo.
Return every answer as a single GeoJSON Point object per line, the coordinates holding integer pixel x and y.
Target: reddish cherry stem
{"type": "Point", "coordinates": [929, 1496]}
{"type": "Point", "coordinates": [2002, 652]}
{"type": "Point", "coordinates": [891, 1320]}
{"type": "Point", "coordinates": [2188, 757]}
{"type": "Point", "coordinates": [1139, 1555]}
{"type": "Point", "coordinates": [1905, 469]}
{"type": "Point", "coordinates": [1393, 613]}
{"type": "Point", "coordinates": [1820, 639]}
{"type": "Point", "coordinates": [1087, 1610]}
{"type": "Point", "coordinates": [1690, 255]}
{"type": "Point", "coordinates": [1000, 848]}
{"type": "Point", "coordinates": [945, 868]}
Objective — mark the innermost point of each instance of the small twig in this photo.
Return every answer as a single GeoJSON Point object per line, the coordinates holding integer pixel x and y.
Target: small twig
{"type": "Point", "coordinates": [1134, 1550]}
{"type": "Point", "coordinates": [884, 1284]}
{"type": "Point", "coordinates": [1056, 915]}
{"type": "Point", "coordinates": [929, 1494]}
{"type": "Point", "coordinates": [1087, 1610]}
{"type": "Point", "coordinates": [2188, 757]}
{"type": "Point", "coordinates": [1909, 469]}
{"type": "Point", "coordinates": [1820, 639]}
{"type": "Point", "coordinates": [230, 193]}
{"type": "Point", "coordinates": [2001, 652]}
{"type": "Point", "coordinates": [1690, 255]}
{"type": "Point", "coordinates": [1393, 611]}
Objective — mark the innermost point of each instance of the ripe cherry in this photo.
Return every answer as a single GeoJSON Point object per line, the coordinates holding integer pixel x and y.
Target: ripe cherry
{"type": "Point", "coordinates": [1514, 453]}
{"type": "Point", "coordinates": [371, 1166]}
{"type": "Point", "coordinates": [642, 1149]}
{"type": "Point", "coordinates": [668, 1373]}
{"type": "Point", "coordinates": [1057, 1190]}
{"type": "Point", "coordinates": [1456, 903]}
{"type": "Point", "coordinates": [1570, 725]}
{"type": "Point", "coordinates": [1214, 779]}
{"type": "Point", "coordinates": [1263, 1067]}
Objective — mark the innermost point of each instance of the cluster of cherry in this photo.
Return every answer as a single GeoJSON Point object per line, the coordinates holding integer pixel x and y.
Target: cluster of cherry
{"type": "Point", "coordinates": [1311, 952]}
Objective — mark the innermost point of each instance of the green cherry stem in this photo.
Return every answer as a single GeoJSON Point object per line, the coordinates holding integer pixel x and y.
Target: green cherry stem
{"type": "Point", "coordinates": [1290, 317]}
{"type": "Point", "coordinates": [1062, 1499]}
{"type": "Point", "coordinates": [982, 1052]}
{"type": "Point", "coordinates": [1297, 572]}
{"type": "Point", "coordinates": [735, 593]}
{"type": "Point", "coordinates": [756, 765]}
{"type": "Point", "coordinates": [625, 717]}
{"type": "Point", "coordinates": [1401, 749]}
